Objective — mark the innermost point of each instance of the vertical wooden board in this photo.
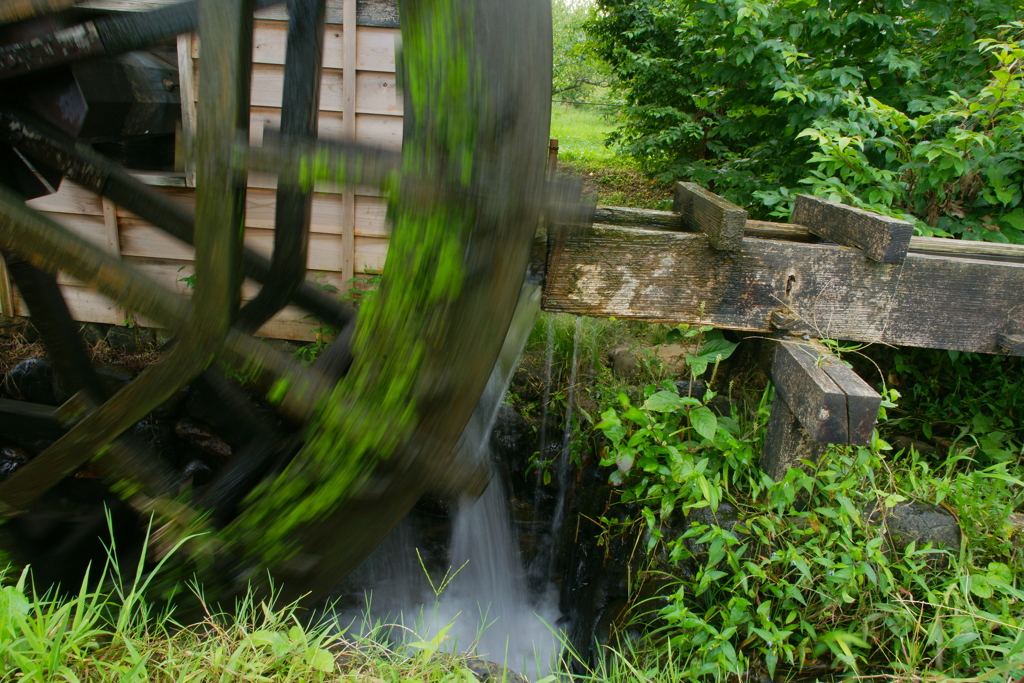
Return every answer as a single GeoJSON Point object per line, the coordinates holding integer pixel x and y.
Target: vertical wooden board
{"type": "Point", "coordinates": [110, 224]}
{"type": "Point", "coordinates": [7, 306]}
{"type": "Point", "coordinates": [882, 238]}
{"type": "Point", "coordinates": [786, 442]}
{"type": "Point", "coordinates": [187, 89]}
{"type": "Point", "coordinates": [862, 402]}
{"type": "Point", "coordinates": [810, 393]}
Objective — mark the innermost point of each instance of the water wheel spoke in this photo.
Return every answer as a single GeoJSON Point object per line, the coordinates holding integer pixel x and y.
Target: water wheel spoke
{"type": "Point", "coordinates": [111, 35]}
{"type": "Point", "coordinates": [78, 162]}
{"type": "Point", "coordinates": [30, 420]}
{"type": "Point", "coordinates": [300, 107]}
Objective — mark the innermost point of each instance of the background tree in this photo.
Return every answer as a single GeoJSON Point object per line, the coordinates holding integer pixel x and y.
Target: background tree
{"type": "Point", "coordinates": [578, 71]}
{"type": "Point", "coordinates": [914, 109]}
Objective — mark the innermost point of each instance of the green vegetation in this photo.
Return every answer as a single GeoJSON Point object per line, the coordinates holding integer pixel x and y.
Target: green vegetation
{"type": "Point", "coordinates": [807, 585]}
{"type": "Point", "coordinates": [910, 109]}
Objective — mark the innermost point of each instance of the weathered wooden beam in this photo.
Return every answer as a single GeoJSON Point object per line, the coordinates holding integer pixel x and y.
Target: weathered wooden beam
{"type": "Point", "coordinates": [882, 238]}
{"type": "Point", "coordinates": [664, 276]}
{"type": "Point", "coordinates": [719, 219]}
{"type": "Point", "coordinates": [799, 377]}
{"type": "Point", "coordinates": [622, 215]}
{"type": "Point", "coordinates": [786, 442]}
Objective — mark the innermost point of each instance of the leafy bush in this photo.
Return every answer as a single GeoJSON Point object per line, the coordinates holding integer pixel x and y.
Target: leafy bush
{"type": "Point", "coordinates": [805, 584]}
{"type": "Point", "coordinates": [906, 108]}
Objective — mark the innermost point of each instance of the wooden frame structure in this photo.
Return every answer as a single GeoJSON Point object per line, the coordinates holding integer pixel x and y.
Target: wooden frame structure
{"type": "Point", "coordinates": [349, 233]}
{"type": "Point", "coordinates": [705, 263]}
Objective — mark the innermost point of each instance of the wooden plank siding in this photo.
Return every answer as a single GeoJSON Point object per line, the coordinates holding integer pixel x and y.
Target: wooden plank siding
{"type": "Point", "coordinates": [349, 232]}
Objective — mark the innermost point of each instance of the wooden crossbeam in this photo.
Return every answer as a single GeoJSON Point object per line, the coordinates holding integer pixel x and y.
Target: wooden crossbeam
{"type": "Point", "coordinates": [930, 301]}
{"type": "Point", "coordinates": [719, 219]}
{"type": "Point", "coordinates": [882, 238]}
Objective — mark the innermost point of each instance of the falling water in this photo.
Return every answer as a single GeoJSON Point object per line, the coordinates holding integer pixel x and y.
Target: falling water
{"type": "Point", "coordinates": [546, 400]}
{"type": "Point", "coordinates": [487, 607]}
{"type": "Point", "coordinates": [565, 457]}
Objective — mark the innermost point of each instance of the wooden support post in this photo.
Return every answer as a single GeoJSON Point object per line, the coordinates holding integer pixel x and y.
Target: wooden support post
{"type": "Point", "coordinates": [882, 238]}
{"type": "Point", "coordinates": [720, 220]}
{"type": "Point", "coordinates": [348, 121]}
{"type": "Point", "coordinates": [110, 226]}
{"type": "Point", "coordinates": [187, 93]}
{"type": "Point", "coordinates": [552, 158]}
{"type": "Point", "coordinates": [6, 291]}
{"type": "Point", "coordinates": [832, 403]}
{"type": "Point", "coordinates": [786, 442]}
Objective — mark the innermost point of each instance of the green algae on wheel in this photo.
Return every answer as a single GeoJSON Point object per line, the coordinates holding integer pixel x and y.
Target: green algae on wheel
{"type": "Point", "coordinates": [476, 84]}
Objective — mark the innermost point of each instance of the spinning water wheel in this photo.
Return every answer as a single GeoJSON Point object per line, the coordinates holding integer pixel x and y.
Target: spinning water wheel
{"type": "Point", "coordinates": [375, 419]}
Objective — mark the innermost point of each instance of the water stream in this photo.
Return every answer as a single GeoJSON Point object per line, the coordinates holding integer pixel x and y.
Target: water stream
{"type": "Point", "coordinates": [483, 599]}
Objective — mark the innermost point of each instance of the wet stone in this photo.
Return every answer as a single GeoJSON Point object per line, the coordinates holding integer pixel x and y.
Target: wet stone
{"type": "Point", "coordinates": [12, 458]}
{"type": "Point", "coordinates": [920, 523]}
{"type": "Point", "coordinates": [93, 333]}
{"type": "Point", "coordinates": [905, 443]}
{"type": "Point", "coordinates": [196, 472]}
{"type": "Point", "coordinates": [31, 380]}
{"type": "Point", "coordinates": [202, 438]}
{"type": "Point", "coordinates": [122, 339]}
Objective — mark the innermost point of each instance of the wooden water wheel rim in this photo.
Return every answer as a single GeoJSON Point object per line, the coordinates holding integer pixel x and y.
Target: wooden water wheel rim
{"type": "Point", "coordinates": [477, 105]}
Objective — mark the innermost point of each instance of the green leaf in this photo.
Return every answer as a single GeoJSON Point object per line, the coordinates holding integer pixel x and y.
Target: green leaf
{"type": "Point", "coordinates": [322, 661]}
{"type": "Point", "coordinates": [704, 421]}
{"type": "Point", "coordinates": [664, 402]}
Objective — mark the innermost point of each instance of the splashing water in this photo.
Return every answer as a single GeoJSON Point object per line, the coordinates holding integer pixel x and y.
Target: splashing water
{"type": "Point", "coordinates": [483, 604]}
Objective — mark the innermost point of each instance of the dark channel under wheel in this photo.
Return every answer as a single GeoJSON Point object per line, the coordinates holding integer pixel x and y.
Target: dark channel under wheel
{"type": "Point", "coordinates": [464, 196]}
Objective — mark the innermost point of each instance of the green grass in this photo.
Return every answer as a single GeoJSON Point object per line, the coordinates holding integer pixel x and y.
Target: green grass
{"type": "Point", "coordinates": [581, 132]}
{"type": "Point", "coordinates": [612, 177]}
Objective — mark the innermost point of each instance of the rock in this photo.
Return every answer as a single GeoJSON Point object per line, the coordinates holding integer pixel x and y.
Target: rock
{"type": "Point", "coordinates": [161, 336]}
{"type": "Point", "coordinates": [905, 443]}
{"type": "Point", "coordinates": [920, 523]}
{"type": "Point", "coordinates": [113, 377]}
{"type": "Point", "coordinates": [195, 472]}
{"type": "Point", "coordinates": [513, 441]}
{"type": "Point", "coordinates": [12, 458]}
{"type": "Point", "coordinates": [693, 389]}
{"type": "Point", "coordinates": [726, 517]}
{"type": "Point", "coordinates": [129, 339]}
{"type": "Point", "coordinates": [489, 672]}
{"type": "Point", "coordinates": [673, 357]}
{"type": "Point", "coordinates": [172, 407]}
{"type": "Point", "coordinates": [32, 380]}
{"type": "Point", "coordinates": [623, 362]}
{"type": "Point", "coordinates": [159, 436]}
{"type": "Point", "coordinates": [93, 333]}
{"type": "Point", "coordinates": [202, 437]}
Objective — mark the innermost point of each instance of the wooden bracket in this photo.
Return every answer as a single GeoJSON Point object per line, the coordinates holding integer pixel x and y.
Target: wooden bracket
{"type": "Point", "coordinates": [1011, 340]}
{"type": "Point", "coordinates": [722, 221]}
{"type": "Point", "coordinates": [830, 401]}
{"type": "Point", "coordinates": [881, 238]}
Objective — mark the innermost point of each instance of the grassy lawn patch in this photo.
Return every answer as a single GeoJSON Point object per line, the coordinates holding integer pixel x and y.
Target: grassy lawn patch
{"type": "Point", "coordinates": [614, 178]}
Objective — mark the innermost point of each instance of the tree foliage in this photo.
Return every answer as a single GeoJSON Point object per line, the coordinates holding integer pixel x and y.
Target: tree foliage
{"type": "Point", "coordinates": [913, 108]}
{"type": "Point", "coordinates": [577, 69]}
